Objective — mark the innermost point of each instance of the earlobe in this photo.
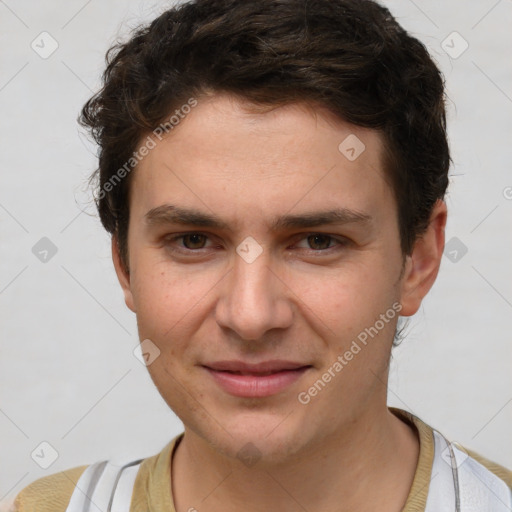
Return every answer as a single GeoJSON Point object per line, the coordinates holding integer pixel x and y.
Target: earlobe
{"type": "Point", "coordinates": [422, 266]}
{"type": "Point", "coordinates": [122, 275]}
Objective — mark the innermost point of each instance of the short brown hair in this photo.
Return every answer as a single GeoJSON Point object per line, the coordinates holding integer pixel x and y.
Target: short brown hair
{"type": "Point", "coordinates": [350, 56]}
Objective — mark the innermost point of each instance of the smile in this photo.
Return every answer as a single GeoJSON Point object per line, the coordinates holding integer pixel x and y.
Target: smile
{"type": "Point", "coordinates": [256, 384]}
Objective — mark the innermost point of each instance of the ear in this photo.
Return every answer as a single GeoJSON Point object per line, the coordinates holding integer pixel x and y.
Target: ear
{"type": "Point", "coordinates": [122, 275]}
{"type": "Point", "coordinates": [422, 266]}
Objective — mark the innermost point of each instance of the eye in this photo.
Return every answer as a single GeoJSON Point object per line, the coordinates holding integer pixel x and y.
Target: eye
{"type": "Point", "coordinates": [191, 241]}
{"type": "Point", "coordinates": [319, 242]}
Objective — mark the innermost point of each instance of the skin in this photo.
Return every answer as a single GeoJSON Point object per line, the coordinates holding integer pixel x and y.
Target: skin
{"type": "Point", "coordinates": [302, 299]}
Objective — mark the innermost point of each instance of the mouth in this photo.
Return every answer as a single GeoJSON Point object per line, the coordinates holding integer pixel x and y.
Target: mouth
{"type": "Point", "coordinates": [251, 383]}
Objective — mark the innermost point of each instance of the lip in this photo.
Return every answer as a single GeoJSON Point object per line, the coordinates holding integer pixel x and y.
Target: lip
{"type": "Point", "coordinates": [255, 381]}
{"type": "Point", "coordinates": [274, 365]}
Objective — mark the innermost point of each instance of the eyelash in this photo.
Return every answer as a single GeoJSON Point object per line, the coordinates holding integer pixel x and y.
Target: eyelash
{"type": "Point", "coordinates": [341, 242]}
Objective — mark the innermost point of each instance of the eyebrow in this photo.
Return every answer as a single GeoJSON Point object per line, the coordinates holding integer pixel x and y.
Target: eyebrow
{"type": "Point", "coordinates": [171, 214]}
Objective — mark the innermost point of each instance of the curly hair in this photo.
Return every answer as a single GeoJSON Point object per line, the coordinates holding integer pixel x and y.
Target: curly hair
{"type": "Point", "coordinates": [350, 56]}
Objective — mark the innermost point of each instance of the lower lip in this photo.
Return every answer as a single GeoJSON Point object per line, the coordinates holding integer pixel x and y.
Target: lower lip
{"type": "Point", "coordinates": [253, 386]}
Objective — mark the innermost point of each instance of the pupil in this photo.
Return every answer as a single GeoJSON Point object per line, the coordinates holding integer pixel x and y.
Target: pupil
{"type": "Point", "coordinates": [193, 237]}
{"type": "Point", "coordinates": [316, 237]}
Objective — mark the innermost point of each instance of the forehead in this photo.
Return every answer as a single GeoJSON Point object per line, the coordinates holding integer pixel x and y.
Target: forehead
{"type": "Point", "coordinates": [224, 152]}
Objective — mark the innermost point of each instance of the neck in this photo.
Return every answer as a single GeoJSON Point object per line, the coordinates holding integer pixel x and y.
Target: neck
{"type": "Point", "coordinates": [369, 465]}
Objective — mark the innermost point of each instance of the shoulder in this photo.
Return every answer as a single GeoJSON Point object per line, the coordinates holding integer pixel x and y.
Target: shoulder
{"type": "Point", "coordinates": [50, 493]}
{"type": "Point", "coordinates": [479, 465]}
{"type": "Point", "coordinates": [500, 471]}
{"type": "Point", "coordinates": [426, 433]}
{"type": "Point", "coordinates": [53, 493]}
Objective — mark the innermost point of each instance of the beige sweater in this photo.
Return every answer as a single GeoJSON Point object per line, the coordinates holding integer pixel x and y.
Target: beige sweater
{"type": "Point", "coordinates": [152, 491]}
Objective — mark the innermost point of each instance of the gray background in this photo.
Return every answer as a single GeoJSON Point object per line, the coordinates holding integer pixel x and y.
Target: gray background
{"type": "Point", "coordinates": [68, 375]}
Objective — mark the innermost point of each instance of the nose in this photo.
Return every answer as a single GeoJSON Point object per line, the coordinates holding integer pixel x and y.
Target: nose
{"type": "Point", "coordinates": [254, 299]}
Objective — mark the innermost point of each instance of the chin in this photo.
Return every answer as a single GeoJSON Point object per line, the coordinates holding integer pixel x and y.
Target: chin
{"type": "Point", "coordinates": [259, 440]}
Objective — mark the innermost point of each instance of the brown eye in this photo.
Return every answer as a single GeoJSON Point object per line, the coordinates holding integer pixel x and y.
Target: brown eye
{"type": "Point", "coordinates": [193, 241]}
{"type": "Point", "coordinates": [321, 242]}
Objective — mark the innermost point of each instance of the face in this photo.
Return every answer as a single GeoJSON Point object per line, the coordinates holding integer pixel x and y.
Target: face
{"type": "Point", "coordinates": [254, 238]}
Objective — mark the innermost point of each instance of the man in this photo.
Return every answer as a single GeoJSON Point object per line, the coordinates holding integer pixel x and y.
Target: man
{"type": "Point", "coordinates": [272, 173]}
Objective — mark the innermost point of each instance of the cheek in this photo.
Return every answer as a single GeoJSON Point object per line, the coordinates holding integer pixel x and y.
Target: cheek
{"type": "Point", "coordinates": [344, 301]}
{"type": "Point", "coordinates": [165, 301]}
